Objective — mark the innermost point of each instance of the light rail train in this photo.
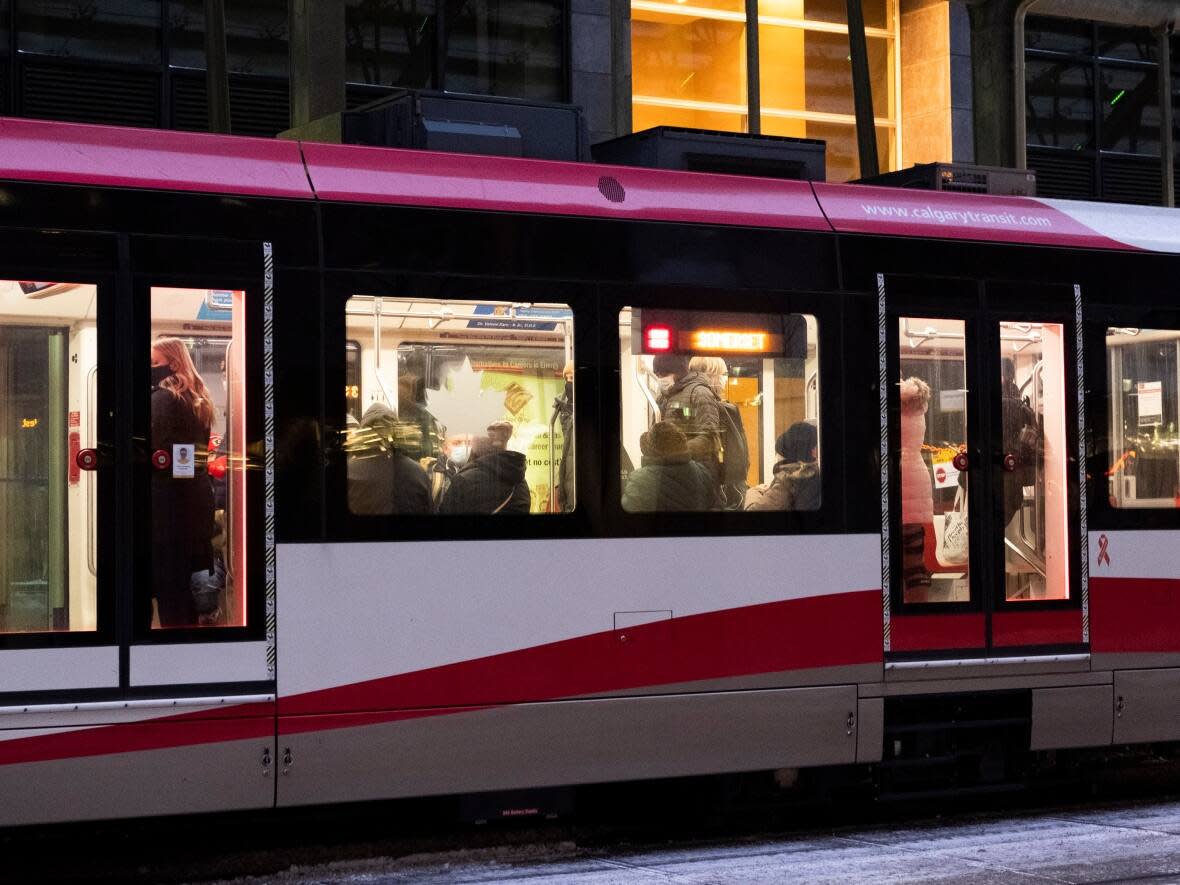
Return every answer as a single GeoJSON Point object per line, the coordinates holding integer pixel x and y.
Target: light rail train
{"type": "Point", "coordinates": [450, 552]}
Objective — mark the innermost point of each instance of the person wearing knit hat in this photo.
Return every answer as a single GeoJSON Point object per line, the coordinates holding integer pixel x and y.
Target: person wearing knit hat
{"type": "Point", "coordinates": [795, 480]}
{"type": "Point", "coordinates": [669, 478]}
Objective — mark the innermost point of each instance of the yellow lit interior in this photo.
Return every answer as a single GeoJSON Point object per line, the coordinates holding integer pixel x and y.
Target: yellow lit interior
{"type": "Point", "coordinates": [689, 70]}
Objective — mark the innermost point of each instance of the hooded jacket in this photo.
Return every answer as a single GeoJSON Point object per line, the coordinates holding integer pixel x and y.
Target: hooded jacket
{"type": "Point", "coordinates": [794, 486]}
{"type": "Point", "coordinates": [693, 406]}
{"type": "Point", "coordinates": [491, 483]}
{"type": "Point", "coordinates": [670, 482]}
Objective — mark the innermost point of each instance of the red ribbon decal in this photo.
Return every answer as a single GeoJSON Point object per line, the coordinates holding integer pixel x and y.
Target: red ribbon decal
{"type": "Point", "coordinates": [1103, 550]}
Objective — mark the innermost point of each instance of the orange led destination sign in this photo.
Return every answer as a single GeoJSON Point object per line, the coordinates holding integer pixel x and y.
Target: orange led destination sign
{"type": "Point", "coordinates": [730, 341]}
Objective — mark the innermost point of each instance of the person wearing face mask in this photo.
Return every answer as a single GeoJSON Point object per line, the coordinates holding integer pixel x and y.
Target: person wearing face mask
{"type": "Point", "coordinates": [688, 400]}
{"type": "Point", "coordinates": [492, 480]}
{"type": "Point", "coordinates": [735, 450]}
{"type": "Point", "coordinates": [182, 496]}
{"type": "Point", "coordinates": [564, 405]}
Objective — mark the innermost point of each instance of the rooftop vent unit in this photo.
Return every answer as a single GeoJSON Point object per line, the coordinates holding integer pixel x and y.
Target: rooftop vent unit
{"type": "Point", "coordinates": [458, 123]}
{"type": "Point", "coordinates": [960, 177]}
{"type": "Point", "coordinates": [700, 150]}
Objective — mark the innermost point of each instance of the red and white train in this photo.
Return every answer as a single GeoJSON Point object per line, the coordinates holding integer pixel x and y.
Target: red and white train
{"type": "Point", "coordinates": [988, 566]}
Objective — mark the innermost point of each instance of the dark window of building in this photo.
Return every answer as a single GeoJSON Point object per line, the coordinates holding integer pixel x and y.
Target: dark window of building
{"type": "Point", "coordinates": [126, 31]}
{"type": "Point", "coordinates": [1093, 113]}
{"type": "Point", "coordinates": [505, 47]}
{"type": "Point", "coordinates": [390, 43]}
{"type": "Point", "coordinates": [255, 36]}
{"type": "Point", "coordinates": [487, 47]}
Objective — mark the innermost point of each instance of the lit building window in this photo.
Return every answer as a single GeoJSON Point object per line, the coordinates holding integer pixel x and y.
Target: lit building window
{"type": "Point", "coordinates": [689, 68]}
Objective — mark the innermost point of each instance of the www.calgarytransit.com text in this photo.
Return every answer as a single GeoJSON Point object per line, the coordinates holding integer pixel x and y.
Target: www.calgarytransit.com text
{"type": "Point", "coordinates": [943, 216]}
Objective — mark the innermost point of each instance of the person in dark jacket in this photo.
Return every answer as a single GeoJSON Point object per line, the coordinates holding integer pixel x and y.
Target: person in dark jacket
{"type": "Point", "coordinates": [493, 480]}
{"type": "Point", "coordinates": [688, 400]}
{"type": "Point", "coordinates": [182, 496]}
{"type": "Point", "coordinates": [381, 480]}
{"type": "Point", "coordinates": [795, 484]}
{"type": "Point", "coordinates": [564, 405]}
{"type": "Point", "coordinates": [669, 478]}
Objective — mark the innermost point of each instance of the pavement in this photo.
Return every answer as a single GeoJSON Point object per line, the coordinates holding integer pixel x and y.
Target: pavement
{"type": "Point", "coordinates": [1128, 843]}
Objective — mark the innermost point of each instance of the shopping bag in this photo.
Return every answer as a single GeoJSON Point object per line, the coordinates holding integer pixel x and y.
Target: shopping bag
{"type": "Point", "coordinates": [954, 547]}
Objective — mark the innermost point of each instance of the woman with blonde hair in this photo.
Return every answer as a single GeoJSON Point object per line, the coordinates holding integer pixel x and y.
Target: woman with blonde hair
{"type": "Point", "coordinates": [917, 490]}
{"type": "Point", "coordinates": [182, 497]}
{"type": "Point", "coordinates": [735, 449]}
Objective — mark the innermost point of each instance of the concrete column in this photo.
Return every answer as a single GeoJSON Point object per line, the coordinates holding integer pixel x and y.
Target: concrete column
{"type": "Point", "coordinates": [593, 64]}
{"type": "Point", "coordinates": [317, 59]}
{"type": "Point", "coordinates": [992, 87]}
{"type": "Point", "coordinates": [926, 82]}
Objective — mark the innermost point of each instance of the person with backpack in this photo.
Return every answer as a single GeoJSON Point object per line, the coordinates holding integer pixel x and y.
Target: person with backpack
{"type": "Point", "coordinates": [735, 451]}
{"type": "Point", "coordinates": [688, 400]}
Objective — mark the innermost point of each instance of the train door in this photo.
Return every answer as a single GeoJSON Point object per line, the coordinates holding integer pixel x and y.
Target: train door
{"type": "Point", "coordinates": [981, 473]}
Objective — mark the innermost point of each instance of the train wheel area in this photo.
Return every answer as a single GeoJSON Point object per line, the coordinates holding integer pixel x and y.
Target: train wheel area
{"type": "Point", "coordinates": [568, 832]}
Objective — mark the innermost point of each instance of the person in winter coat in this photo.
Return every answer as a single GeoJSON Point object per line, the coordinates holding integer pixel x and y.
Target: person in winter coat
{"type": "Point", "coordinates": [688, 400]}
{"type": "Point", "coordinates": [669, 478]}
{"type": "Point", "coordinates": [382, 481]}
{"type": "Point", "coordinates": [182, 505]}
{"type": "Point", "coordinates": [795, 484]}
{"type": "Point", "coordinates": [493, 480]}
{"type": "Point", "coordinates": [917, 489]}
{"type": "Point", "coordinates": [735, 450]}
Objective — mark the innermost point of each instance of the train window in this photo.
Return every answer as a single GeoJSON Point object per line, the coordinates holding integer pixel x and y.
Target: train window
{"type": "Point", "coordinates": [1144, 382]}
{"type": "Point", "coordinates": [720, 411]}
{"type": "Point", "coordinates": [467, 407]}
{"type": "Point", "coordinates": [198, 444]}
{"type": "Point", "coordinates": [48, 413]}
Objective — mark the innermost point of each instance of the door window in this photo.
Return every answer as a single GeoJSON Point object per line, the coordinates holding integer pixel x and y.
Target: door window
{"type": "Point", "coordinates": [1034, 462]}
{"type": "Point", "coordinates": [198, 494]}
{"type": "Point", "coordinates": [935, 561]}
{"type": "Point", "coordinates": [48, 414]}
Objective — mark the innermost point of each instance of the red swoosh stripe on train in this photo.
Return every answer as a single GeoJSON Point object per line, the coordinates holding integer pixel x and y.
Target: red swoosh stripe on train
{"type": "Point", "coordinates": [824, 631]}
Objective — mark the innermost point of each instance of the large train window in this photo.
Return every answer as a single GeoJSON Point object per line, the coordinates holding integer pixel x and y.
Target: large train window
{"type": "Point", "coordinates": [719, 411]}
{"type": "Point", "coordinates": [198, 445]}
{"type": "Point", "coordinates": [48, 413]}
{"type": "Point", "coordinates": [467, 407]}
{"type": "Point", "coordinates": [1143, 368]}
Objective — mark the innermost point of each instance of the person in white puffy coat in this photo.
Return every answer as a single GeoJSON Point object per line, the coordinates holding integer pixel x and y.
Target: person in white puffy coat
{"type": "Point", "coordinates": [917, 490]}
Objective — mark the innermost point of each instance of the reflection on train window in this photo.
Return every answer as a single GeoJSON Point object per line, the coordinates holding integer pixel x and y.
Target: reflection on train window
{"type": "Point", "coordinates": [48, 412]}
{"type": "Point", "coordinates": [198, 444]}
{"type": "Point", "coordinates": [1144, 376]}
{"type": "Point", "coordinates": [719, 411]}
{"type": "Point", "coordinates": [465, 406]}
{"type": "Point", "coordinates": [932, 396]}
{"type": "Point", "coordinates": [1034, 464]}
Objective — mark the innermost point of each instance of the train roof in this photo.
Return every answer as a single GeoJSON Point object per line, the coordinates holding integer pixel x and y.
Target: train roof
{"type": "Point", "coordinates": [33, 150]}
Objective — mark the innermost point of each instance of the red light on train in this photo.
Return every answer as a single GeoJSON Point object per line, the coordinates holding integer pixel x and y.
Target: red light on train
{"type": "Point", "coordinates": [659, 338]}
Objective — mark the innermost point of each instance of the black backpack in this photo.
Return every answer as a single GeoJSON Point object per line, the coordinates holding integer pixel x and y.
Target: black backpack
{"type": "Point", "coordinates": [735, 453]}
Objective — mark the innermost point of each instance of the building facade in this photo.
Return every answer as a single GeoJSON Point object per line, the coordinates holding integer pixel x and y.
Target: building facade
{"type": "Point", "coordinates": [1081, 91]}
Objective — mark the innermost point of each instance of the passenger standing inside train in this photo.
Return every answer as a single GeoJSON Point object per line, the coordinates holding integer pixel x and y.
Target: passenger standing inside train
{"type": "Point", "coordinates": [182, 497]}
{"type": "Point", "coordinates": [564, 405]}
{"type": "Point", "coordinates": [795, 482]}
{"type": "Point", "coordinates": [493, 480]}
{"type": "Point", "coordinates": [382, 480]}
{"type": "Point", "coordinates": [688, 400]}
{"type": "Point", "coordinates": [735, 451]}
{"type": "Point", "coordinates": [917, 490]}
{"type": "Point", "coordinates": [668, 478]}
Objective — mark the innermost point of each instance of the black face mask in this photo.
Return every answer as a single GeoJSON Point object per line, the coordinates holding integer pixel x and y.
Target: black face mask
{"type": "Point", "coordinates": [159, 373]}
